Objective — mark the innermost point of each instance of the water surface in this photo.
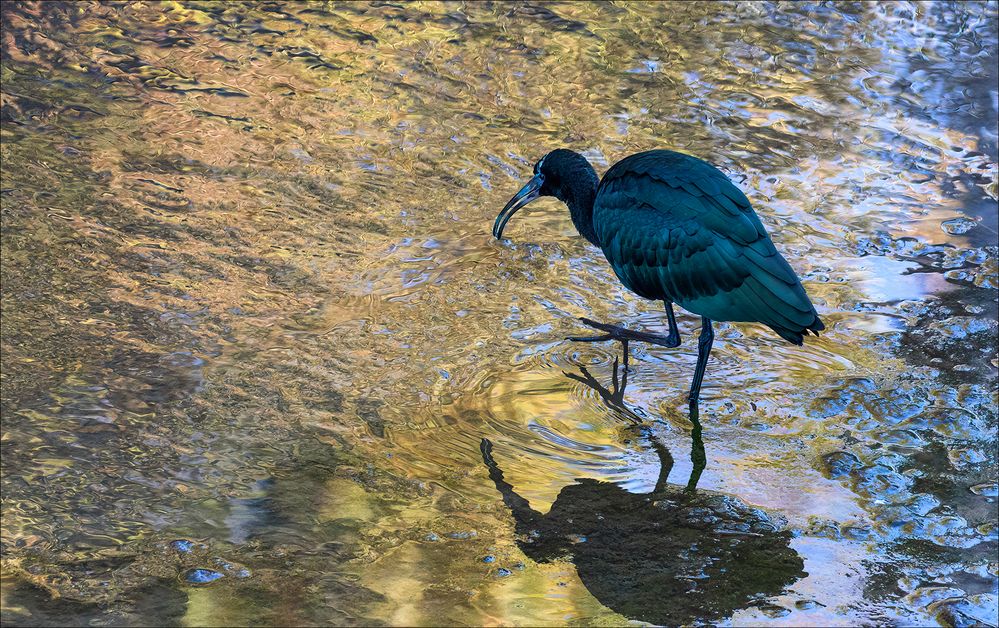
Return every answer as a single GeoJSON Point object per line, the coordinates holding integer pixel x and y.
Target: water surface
{"type": "Point", "coordinates": [255, 325]}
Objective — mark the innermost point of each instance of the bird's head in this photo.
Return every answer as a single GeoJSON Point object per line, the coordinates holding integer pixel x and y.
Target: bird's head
{"type": "Point", "coordinates": [562, 173]}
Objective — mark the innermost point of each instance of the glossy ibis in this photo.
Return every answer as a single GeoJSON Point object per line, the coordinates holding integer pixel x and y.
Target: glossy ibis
{"type": "Point", "coordinates": [675, 228]}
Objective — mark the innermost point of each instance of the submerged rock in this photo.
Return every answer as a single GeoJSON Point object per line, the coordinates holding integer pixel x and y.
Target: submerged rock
{"type": "Point", "coordinates": [183, 546]}
{"type": "Point", "coordinates": [841, 463]}
{"type": "Point", "coordinates": [202, 576]}
{"type": "Point", "coordinates": [958, 226]}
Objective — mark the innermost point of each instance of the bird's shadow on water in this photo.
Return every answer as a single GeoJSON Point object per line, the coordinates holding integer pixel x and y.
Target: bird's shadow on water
{"type": "Point", "coordinates": [673, 556]}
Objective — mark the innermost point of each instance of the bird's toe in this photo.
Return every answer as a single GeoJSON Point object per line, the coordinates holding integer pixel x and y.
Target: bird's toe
{"type": "Point", "coordinates": [590, 338]}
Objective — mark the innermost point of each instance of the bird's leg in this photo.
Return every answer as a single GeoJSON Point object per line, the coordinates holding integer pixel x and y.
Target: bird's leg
{"type": "Point", "coordinates": [673, 339]}
{"type": "Point", "coordinates": [613, 332]}
{"type": "Point", "coordinates": [703, 350]}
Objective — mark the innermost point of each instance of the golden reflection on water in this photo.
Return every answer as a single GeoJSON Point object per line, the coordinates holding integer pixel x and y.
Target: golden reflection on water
{"type": "Point", "coordinates": [250, 298]}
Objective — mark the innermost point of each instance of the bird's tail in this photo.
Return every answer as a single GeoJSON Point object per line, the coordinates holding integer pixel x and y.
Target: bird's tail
{"type": "Point", "coordinates": [797, 336]}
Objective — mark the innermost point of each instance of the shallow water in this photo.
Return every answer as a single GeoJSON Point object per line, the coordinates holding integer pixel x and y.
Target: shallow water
{"type": "Point", "coordinates": [255, 325]}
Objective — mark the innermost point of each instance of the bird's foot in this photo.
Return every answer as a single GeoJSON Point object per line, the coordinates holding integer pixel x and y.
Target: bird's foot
{"type": "Point", "coordinates": [613, 332]}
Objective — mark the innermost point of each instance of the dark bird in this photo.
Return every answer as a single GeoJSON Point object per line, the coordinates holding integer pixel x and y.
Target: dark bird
{"type": "Point", "coordinates": [675, 228]}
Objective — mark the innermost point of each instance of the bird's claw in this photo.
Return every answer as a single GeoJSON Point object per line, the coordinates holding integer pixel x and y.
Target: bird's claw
{"type": "Point", "coordinates": [613, 332]}
{"type": "Point", "coordinates": [589, 322]}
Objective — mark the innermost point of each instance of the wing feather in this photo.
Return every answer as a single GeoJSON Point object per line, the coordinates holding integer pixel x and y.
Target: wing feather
{"type": "Point", "coordinates": [674, 227]}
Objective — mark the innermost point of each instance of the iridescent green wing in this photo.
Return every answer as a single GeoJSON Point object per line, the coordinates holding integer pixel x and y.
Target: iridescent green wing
{"type": "Point", "coordinates": [674, 227]}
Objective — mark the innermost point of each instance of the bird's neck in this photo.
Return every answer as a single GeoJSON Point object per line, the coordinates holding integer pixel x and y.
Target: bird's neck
{"type": "Point", "coordinates": [579, 195]}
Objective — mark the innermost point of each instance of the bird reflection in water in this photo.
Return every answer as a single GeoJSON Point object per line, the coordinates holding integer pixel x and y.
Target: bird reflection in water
{"type": "Point", "coordinates": [672, 556]}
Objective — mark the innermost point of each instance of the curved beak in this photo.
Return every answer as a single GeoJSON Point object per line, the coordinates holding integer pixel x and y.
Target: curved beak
{"type": "Point", "coordinates": [526, 194]}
